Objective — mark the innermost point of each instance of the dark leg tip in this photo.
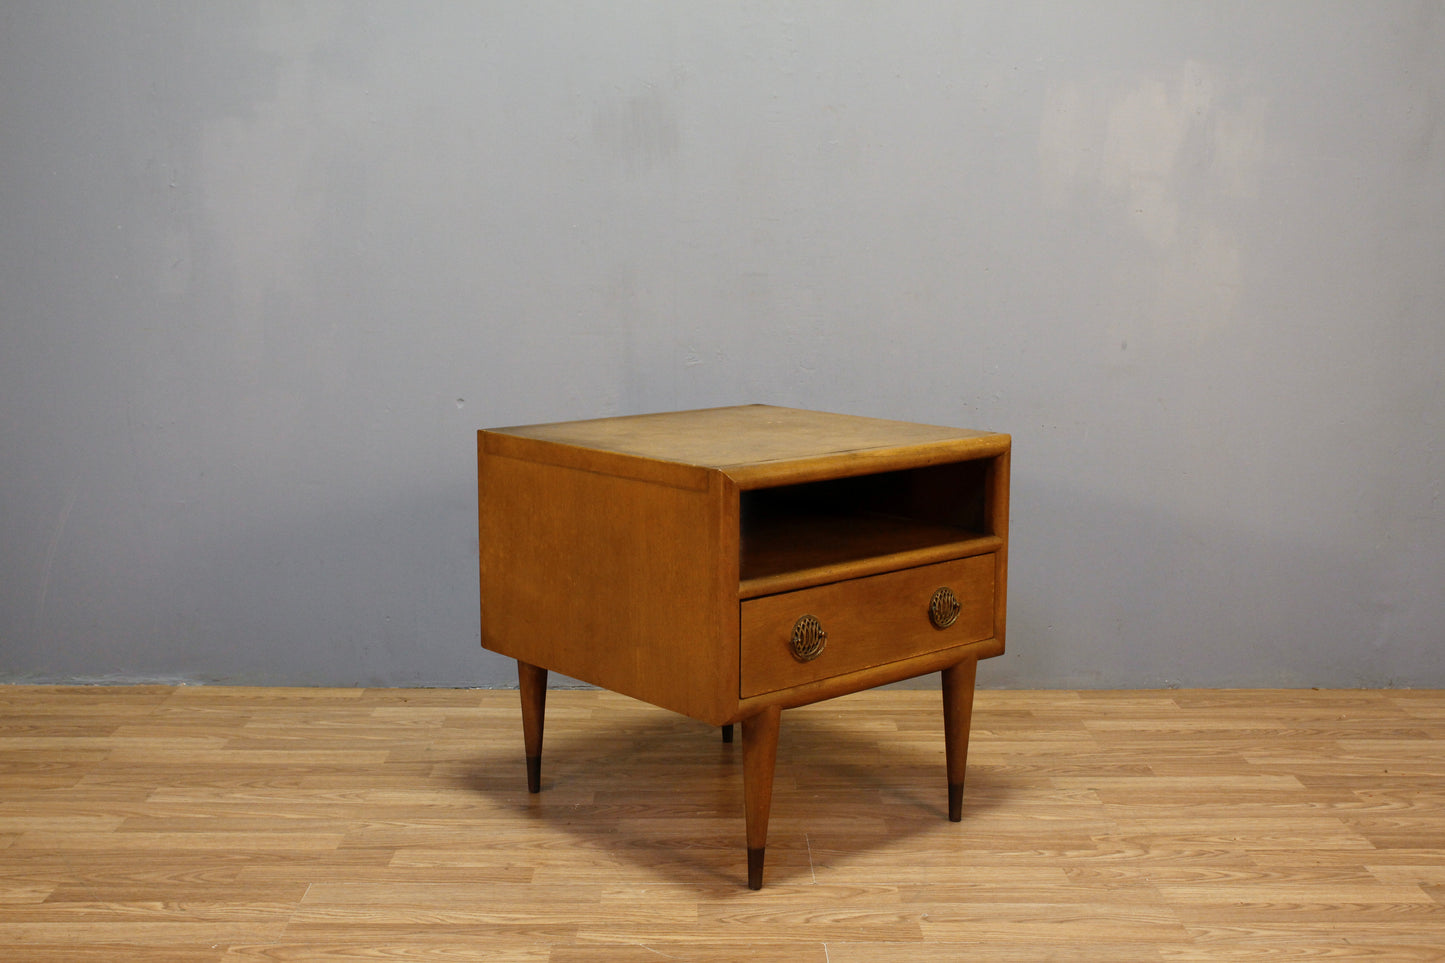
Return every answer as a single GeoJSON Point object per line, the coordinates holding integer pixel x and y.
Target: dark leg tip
{"type": "Point", "coordinates": [955, 802]}
{"type": "Point", "coordinates": [727, 733]}
{"type": "Point", "coordinates": [534, 774]}
{"type": "Point", "coordinates": [755, 867]}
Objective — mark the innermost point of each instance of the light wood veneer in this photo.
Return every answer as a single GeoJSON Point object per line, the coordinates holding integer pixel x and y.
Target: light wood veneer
{"type": "Point", "coordinates": [221, 824]}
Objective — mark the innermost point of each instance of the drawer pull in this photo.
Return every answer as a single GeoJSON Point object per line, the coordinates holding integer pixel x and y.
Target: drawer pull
{"type": "Point", "coordinates": [808, 639]}
{"type": "Point", "coordinates": [943, 608]}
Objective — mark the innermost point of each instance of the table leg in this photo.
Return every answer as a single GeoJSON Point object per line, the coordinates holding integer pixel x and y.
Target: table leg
{"type": "Point", "coordinates": [760, 752]}
{"type": "Point", "coordinates": [958, 681]}
{"type": "Point", "coordinates": [533, 683]}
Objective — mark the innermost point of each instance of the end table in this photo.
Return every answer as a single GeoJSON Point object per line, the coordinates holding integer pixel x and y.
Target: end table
{"type": "Point", "coordinates": [729, 563]}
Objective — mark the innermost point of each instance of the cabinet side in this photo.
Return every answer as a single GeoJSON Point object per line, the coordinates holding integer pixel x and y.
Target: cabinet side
{"type": "Point", "coordinates": [997, 509]}
{"type": "Point", "coordinates": [624, 582]}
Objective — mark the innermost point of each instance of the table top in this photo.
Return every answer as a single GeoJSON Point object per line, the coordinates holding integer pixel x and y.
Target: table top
{"type": "Point", "coordinates": [749, 440]}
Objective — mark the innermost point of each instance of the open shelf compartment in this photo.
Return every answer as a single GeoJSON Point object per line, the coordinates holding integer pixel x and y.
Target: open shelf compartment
{"type": "Point", "coordinates": [794, 536]}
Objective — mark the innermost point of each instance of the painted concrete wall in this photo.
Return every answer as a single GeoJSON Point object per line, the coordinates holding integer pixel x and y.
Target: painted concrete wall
{"type": "Point", "coordinates": [264, 268]}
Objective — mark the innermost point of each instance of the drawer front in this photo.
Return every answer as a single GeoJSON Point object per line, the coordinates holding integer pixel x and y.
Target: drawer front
{"type": "Point", "coordinates": [864, 622]}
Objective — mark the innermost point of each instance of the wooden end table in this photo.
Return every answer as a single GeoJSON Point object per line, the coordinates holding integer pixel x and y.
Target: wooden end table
{"type": "Point", "coordinates": [730, 563]}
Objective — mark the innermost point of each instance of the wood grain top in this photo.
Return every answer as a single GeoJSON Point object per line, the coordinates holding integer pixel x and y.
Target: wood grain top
{"type": "Point", "coordinates": [758, 443]}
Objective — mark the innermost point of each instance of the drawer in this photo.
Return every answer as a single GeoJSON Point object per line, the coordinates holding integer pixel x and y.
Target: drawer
{"type": "Point", "coordinates": [864, 622]}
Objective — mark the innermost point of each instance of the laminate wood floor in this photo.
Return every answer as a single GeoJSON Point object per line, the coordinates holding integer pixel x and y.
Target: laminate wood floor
{"type": "Point", "coordinates": [229, 824]}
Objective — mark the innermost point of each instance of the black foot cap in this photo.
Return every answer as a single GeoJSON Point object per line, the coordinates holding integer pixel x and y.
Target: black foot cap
{"type": "Point", "coordinates": [955, 802]}
{"type": "Point", "coordinates": [534, 774]}
{"type": "Point", "coordinates": [755, 867]}
{"type": "Point", "coordinates": [727, 733]}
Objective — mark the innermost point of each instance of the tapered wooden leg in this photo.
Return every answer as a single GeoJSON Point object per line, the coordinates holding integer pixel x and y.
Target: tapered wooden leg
{"type": "Point", "coordinates": [760, 752]}
{"type": "Point", "coordinates": [958, 683]}
{"type": "Point", "coordinates": [727, 731]}
{"type": "Point", "coordinates": [533, 683]}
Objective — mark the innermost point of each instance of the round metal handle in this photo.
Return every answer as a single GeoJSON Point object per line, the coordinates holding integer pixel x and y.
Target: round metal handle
{"type": "Point", "coordinates": [808, 639]}
{"type": "Point", "coordinates": [943, 608]}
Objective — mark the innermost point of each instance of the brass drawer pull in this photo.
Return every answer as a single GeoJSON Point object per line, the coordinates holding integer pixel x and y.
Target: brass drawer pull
{"type": "Point", "coordinates": [808, 639]}
{"type": "Point", "coordinates": [943, 608]}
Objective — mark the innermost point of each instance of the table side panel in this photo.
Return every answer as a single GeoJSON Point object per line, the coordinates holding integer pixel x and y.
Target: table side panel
{"type": "Point", "coordinates": [619, 582]}
{"type": "Point", "coordinates": [998, 519]}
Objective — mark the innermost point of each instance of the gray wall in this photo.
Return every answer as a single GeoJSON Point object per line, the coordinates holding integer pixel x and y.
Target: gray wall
{"type": "Point", "coordinates": [264, 268]}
